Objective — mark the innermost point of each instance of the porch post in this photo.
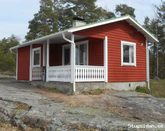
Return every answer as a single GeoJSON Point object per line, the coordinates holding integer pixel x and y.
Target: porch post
{"type": "Point", "coordinates": [44, 55]}
{"type": "Point", "coordinates": [106, 58]}
{"type": "Point", "coordinates": [73, 62]}
{"type": "Point", "coordinates": [30, 66]}
{"type": "Point", "coordinates": [47, 60]}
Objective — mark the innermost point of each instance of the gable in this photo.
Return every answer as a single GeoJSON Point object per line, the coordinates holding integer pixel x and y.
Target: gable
{"type": "Point", "coordinates": [119, 29]}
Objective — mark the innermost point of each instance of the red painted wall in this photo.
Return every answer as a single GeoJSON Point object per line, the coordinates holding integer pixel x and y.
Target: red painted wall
{"type": "Point", "coordinates": [95, 51]}
{"type": "Point", "coordinates": [55, 58]}
{"type": "Point", "coordinates": [117, 32]}
{"type": "Point", "coordinates": [96, 58]}
{"type": "Point", "coordinates": [23, 63]}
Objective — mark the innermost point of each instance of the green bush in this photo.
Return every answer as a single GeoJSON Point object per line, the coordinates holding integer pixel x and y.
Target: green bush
{"type": "Point", "coordinates": [7, 58]}
{"type": "Point", "coordinates": [142, 89]}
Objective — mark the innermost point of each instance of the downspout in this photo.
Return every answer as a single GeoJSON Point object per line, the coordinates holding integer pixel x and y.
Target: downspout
{"type": "Point", "coordinates": [72, 68]}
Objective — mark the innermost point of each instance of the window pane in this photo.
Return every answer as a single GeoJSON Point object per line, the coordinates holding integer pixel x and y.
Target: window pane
{"type": "Point", "coordinates": [36, 57]}
{"type": "Point", "coordinates": [77, 54]}
{"type": "Point", "coordinates": [126, 53]}
{"type": "Point", "coordinates": [67, 56]}
{"type": "Point", "coordinates": [131, 54]}
{"type": "Point", "coordinates": [83, 54]}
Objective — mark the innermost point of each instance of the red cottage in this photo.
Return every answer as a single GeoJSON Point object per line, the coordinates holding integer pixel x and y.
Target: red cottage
{"type": "Point", "coordinates": [112, 53]}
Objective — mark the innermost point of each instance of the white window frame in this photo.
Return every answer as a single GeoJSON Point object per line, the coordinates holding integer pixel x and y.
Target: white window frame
{"type": "Point", "coordinates": [63, 48]}
{"type": "Point", "coordinates": [84, 43]}
{"type": "Point", "coordinates": [77, 43]}
{"type": "Point", "coordinates": [33, 50]}
{"type": "Point", "coordinates": [134, 47]}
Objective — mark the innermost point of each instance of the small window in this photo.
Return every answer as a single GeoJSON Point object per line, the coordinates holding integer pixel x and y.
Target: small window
{"type": "Point", "coordinates": [128, 53]}
{"type": "Point", "coordinates": [36, 57]}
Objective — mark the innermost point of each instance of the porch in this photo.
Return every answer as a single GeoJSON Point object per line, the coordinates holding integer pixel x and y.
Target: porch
{"type": "Point", "coordinates": [69, 62]}
{"type": "Point", "coordinates": [63, 73]}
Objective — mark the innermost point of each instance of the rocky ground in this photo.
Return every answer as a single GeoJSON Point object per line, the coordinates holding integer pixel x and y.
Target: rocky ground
{"type": "Point", "coordinates": [31, 108]}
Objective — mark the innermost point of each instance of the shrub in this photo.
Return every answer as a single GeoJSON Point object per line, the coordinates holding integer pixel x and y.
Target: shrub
{"type": "Point", "coordinates": [142, 89]}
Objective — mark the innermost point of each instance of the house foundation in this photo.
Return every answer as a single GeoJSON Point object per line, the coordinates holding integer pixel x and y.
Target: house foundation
{"type": "Point", "coordinates": [67, 87]}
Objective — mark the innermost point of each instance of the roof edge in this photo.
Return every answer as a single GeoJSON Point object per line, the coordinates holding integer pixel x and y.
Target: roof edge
{"type": "Point", "coordinates": [127, 17]}
{"type": "Point", "coordinates": [38, 40]}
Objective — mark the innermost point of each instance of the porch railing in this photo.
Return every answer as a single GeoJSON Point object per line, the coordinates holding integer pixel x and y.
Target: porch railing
{"type": "Point", "coordinates": [82, 73]}
{"type": "Point", "coordinates": [59, 73]}
{"type": "Point", "coordinates": [89, 73]}
{"type": "Point", "coordinates": [37, 73]}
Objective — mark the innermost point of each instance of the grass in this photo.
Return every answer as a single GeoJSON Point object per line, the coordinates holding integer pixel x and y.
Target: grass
{"type": "Point", "coordinates": [142, 90]}
{"type": "Point", "coordinates": [94, 92]}
{"type": "Point", "coordinates": [158, 88]}
{"type": "Point", "coordinates": [54, 90]}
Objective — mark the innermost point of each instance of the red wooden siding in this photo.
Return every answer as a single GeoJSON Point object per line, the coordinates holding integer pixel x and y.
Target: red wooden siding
{"type": "Point", "coordinates": [117, 32]}
{"type": "Point", "coordinates": [96, 58]}
{"type": "Point", "coordinates": [23, 63]}
{"type": "Point", "coordinates": [55, 58]}
{"type": "Point", "coordinates": [95, 51]}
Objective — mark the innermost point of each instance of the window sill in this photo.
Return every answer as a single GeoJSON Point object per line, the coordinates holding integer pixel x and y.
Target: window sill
{"type": "Point", "coordinates": [35, 66]}
{"type": "Point", "coordinates": [128, 64]}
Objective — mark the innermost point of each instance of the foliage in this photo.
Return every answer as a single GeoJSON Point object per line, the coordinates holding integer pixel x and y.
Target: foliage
{"type": "Point", "coordinates": [157, 88]}
{"type": "Point", "coordinates": [123, 9]}
{"type": "Point", "coordinates": [7, 59]}
{"type": "Point", "coordinates": [157, 27]}
{"type": "Point", "coordinates": [58, 15]}
{"type": "Point", "coordinates": [94, 92]}
{"type": "Point", "coordinates": [85, 9]}
{"type": "Point", "coordinates": [142, 89]}
{"type": "Point", "coordinates": [44, 22]}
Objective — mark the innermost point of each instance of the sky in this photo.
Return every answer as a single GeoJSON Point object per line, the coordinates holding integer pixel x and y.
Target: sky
{"type": "Point", "coordinates": [15, 14]}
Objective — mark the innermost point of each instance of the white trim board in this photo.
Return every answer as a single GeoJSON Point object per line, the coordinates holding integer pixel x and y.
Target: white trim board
{"type": "Point", "coordinates": [134, 47]}
{"type": "Point", "coordinates": [33, 50]}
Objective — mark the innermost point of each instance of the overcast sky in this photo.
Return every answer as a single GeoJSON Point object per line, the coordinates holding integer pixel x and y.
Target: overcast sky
{"type": "Point", "coordinates": [15, 14]}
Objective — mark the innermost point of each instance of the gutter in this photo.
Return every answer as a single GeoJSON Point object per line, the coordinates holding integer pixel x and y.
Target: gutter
{"type": "Point", "coordinates": [72, 43]}
{"type": "Point", "coordinates": [44, 38]}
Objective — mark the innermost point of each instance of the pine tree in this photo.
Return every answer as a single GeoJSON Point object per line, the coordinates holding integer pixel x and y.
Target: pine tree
{"type": "Point", "coordinates": [124, 9]}
{"type": "Point", "coordinates": [85, 9]}
{"type": "Point", "coordinates": [157, 27]}
{"type": "Point", "coordinates": [44, 22]}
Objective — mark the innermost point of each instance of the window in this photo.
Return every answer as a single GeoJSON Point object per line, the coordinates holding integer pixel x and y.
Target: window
{"type": "Point", "coordinates": [128, 53]}
{"type": "Point", "coordinates": [36, 57]}
{"type": "Point", "coordinates": [66, 54]}
{"type": "Point", "coordinates": [81, 53]}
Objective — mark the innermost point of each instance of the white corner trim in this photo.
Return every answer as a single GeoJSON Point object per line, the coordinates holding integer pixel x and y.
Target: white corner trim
{"type": "Point", "coordinates": [33, 50]}
{"type": "Point", "coordinates": [147, 66]}
{"type": "Point", "coordinates": [129, 44]}
{"type": "Point", "coordinates": [106, 58]}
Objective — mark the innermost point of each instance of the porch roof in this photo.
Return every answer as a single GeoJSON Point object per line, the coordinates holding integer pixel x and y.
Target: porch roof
{"type": "Point", "coordinates": [68, 32]}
